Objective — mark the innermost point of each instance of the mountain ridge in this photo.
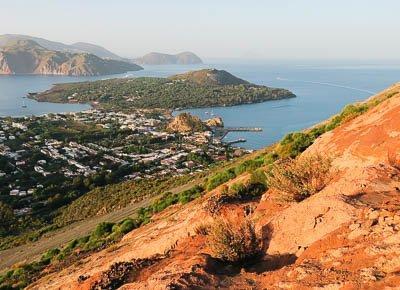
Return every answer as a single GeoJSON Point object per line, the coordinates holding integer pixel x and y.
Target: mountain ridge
{"type": "Point", "coordinates": [28, 57]}
{"type": "Point", "coordinates": [78, 47]}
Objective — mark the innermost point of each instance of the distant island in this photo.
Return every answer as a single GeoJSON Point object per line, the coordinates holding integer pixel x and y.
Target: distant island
{"type": "Point", "coordinates": [153, 58]}
{"type": "Point", "coordinates": [156, 58]}
{"type": "Point", "coordinates": [203, 88]}
{"type": "Point", "coordinates": [28, 57]}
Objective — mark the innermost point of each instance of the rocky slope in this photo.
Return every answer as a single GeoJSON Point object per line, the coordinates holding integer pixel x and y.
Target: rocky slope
{"type": "Point", "coordinates": [28, 57]}
{"type": "Point", "coordinates": [156, 58]}
{"type": "Point", "coordinates": [346, 236]}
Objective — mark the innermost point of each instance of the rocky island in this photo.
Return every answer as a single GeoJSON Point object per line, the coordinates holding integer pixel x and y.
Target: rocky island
{"type": "Point", "coordinates": [203, 88]}
{"type": "Point", "coordinates": [28, 57]}
{"type": "Point", "coordinates": [156, 58]}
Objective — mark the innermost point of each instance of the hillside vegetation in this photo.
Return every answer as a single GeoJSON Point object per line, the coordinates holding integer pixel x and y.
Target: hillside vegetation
{"type": "Point", "coordinates": [205, 88]}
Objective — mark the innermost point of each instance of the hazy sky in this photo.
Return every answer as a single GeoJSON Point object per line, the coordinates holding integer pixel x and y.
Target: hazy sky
{"type": "Point", "coordinates": [266, 29]}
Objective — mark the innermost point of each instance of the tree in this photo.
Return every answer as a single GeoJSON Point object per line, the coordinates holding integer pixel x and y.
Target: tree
{"type": "Point", "coordinates": [7, 219]}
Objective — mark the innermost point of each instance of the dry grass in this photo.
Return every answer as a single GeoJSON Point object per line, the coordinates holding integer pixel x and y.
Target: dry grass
{"type": "Point", "coordinates": [300, 178]}
{"type": "Point", "coordinates": [233, 241]}
{"type": "Point", "coordinates": [202, 229]}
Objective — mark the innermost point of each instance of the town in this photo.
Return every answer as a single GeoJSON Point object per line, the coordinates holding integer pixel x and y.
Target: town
{"type": "Point", "coordinates": [43, 157]}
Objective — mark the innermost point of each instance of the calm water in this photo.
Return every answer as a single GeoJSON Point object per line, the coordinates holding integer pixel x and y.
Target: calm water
{"type": "Point", "coordinates": [322, 89]}
{"type": "Point", "coordinates": [13, 90]}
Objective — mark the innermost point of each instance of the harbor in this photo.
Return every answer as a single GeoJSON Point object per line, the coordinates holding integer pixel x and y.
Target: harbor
{"type": "Point", "coordinates": [220, 133]}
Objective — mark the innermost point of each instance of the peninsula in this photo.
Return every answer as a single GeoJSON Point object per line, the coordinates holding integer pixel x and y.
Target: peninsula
{"type": "Point", "coordinates": [203, 88]}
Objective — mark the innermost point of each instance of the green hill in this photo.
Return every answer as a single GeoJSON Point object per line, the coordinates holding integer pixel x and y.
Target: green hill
{"type": "Point", "coordinates": [204, 88]}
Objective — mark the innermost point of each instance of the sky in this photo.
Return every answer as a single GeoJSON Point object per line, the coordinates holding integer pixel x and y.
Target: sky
{"type": "Point", "coordinates": [248, 29]}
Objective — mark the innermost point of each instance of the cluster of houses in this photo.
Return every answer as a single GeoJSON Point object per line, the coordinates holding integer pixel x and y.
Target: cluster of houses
{"type": "Point", "coordinates": [71, 159]}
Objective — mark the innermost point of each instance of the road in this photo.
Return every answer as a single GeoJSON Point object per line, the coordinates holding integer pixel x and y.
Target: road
{"type": "Point", "coordinates": [32, 251]}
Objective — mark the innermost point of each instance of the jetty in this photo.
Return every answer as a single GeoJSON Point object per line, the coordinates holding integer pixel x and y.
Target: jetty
{"type": "Point", "coordinates": [240, 140]}
{"type": "Point", "coordinates": [220, 133]}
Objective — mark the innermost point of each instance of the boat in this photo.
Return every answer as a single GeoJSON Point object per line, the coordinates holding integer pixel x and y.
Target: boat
{"type": "Point", "coordinates": [24, 105]}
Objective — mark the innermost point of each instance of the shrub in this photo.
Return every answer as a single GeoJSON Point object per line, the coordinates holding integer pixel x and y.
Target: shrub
{"type": "Point", "coordinates": [220, 178]}
{"type": "Point", "coordinates": [49, 255]}
{"type": "Point", "coordinates": [255, 186]}
{"type": "Point", "coordinates": [127, 225]}
{"type": "Point", "coordinates": [270, 158]}
{"type": "Point", "coordinates": [234, 242]}
{"type": "Point", "coordinates": [237, 190]}
{"type": "Point", "coordinates": [82, 241]}
{"type": "Point", "coordinates": [300, 178]}
{"type": "Point", "coordinates": [258, 177]}
{"type": "Point", "coordinates": [295, 143]}
{"type": "Point", "coordinates": [102, 229]}
{"type": "Point", "coordinates": [249, 165]}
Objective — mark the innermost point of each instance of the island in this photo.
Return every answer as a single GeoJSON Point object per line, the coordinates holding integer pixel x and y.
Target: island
{"type": "Point", "coordinates": [203, 88]}
{"type": "Point", "coordinates": [156, 58]}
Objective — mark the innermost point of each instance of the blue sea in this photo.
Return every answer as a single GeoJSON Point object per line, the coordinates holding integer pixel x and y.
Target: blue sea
{"type": "Point", "coordinates": [322, 88]}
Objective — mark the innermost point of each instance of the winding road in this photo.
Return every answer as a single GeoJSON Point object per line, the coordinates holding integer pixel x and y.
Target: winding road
{"type": "Point", "coordinates": [31, 251]}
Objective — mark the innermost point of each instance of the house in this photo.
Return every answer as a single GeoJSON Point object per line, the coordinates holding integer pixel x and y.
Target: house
{"type": "Point", "coordinates": [14, 192]}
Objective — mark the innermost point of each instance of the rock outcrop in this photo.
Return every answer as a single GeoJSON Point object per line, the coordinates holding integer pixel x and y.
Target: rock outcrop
{"type": "Point", "coordinates": [214, 122]}
{"type": "Point", "coordinates": [28, 57]}
{"type": "Point", "coordinates": [186, 122]}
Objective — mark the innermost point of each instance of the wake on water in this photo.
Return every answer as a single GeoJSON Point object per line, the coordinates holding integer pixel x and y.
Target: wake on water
{"type": "Point", "coordinates": [328, 84]}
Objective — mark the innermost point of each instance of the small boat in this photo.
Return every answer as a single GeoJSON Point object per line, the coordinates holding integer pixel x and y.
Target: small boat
{"type": "Point", "coordinates": [24, 105]}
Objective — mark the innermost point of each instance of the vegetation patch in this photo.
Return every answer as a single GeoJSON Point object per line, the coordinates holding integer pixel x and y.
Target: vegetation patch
{"type": "Point", "coordinates": [153, 93]}
{"type": "Point", "coordinates": [114, 196]}
{"type": "Point", "coordinates": [168, 199]}
{"type": "Point", "coordinates": [234, 242]}
{"type": "Point", "coordinates": [103, 235]}
{"type": "Point", "coordinates": [300, 178]}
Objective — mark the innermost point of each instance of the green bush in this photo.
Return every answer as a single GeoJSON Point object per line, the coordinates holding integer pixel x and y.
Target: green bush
{"type": "Point", "coordinates": [249, 165]}
{"type": "Point", "coordinates": [103, 229]}
{"type": "Point", "coordinates": [295, 143]}
{"type": "Point", "coordinates": [50, 254]}
{"type": "Point", "coordinates": [220, 178]}
{"type": "Point", "coordinates": [127, 225]}
{"type": "Point", "coordinates": [71, 245]}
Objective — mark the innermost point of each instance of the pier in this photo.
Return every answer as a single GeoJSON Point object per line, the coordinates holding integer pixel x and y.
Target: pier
{"type": "Point", "coordinates": [220, 133]}
{"type": "Point", "coordinates": [240, 140]}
